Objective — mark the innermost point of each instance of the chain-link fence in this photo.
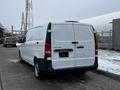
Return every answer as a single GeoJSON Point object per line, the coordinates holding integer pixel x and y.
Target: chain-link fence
{"type": "Point", "coordinates": [105, 39]}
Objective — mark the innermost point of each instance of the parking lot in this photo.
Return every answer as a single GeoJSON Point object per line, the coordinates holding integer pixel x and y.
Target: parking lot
{"type": "Point", "coordinates": [17, 76]}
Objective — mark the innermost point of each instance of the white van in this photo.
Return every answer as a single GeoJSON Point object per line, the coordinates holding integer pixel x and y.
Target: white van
{"type": "Point", "coordinates": [67, 46]}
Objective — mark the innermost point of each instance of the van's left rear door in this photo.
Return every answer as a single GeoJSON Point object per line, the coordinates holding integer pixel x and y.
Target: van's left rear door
{"type": "Point", "coordinates": [63, 52]}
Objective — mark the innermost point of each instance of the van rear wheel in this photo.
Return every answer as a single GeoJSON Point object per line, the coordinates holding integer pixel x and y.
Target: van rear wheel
{"type": "Point", "coordinates": [38, 73]}
{"type": "Point", "coordinates": [4, 45]}
{"type": "Point", "coordinates": [83, 72]}
{"type": "Point", "coordinates": [79, 73]}
{"type": "Point", "coordinates": [20, 58]}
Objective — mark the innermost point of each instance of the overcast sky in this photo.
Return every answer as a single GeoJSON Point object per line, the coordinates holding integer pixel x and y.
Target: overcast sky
{"type": "Point", "coordinates": [55, 10]}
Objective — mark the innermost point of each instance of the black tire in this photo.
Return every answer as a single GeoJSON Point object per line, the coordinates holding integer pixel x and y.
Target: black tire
{"type": "Point", "coordinates": [4, 45]}
{"type": "Point", "coordinates": [83, 72]}
{"type": "Point", "coordinates": [20, 58]}
{"type": "Point", "coordinates": [14, 45]}
{"type": "Point", "coordinates": [37, 71]}
{"type": "Point", "coordinates": [79, 73]}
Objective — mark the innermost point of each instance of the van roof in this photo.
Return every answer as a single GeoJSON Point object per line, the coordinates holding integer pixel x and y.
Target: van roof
{"type": "Point", "coordinates": [72, 23]}
{"type": "Point", "coordinates": [56, 23]}
{"type": "Point", "coordinates": [35, 27]}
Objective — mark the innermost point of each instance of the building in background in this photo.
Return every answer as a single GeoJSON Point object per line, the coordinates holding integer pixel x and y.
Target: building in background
{"type": "Point", "coordinates": [1, 33]}
{"type": "Point", "coordinates": [116, 34]}
{"type": "Point", "coordinates": [103, 22]}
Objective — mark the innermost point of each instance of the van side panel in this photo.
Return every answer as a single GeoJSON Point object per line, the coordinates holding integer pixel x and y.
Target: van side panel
{"type": "Point", "coordinates": [34, 45]}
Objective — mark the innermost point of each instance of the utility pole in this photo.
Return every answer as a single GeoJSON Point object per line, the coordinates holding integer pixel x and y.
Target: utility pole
{"type": "Point", "coordinates": [26, 18]}
{"type": "Point", "coordinates": [12, 28]}
{"type": "Point", "coordinates": [28, 15]}
{"type": "Point", "coordinates": [22, 23]}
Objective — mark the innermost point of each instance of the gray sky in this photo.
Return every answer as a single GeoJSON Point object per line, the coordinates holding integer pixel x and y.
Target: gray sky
{"type": "Point", "coordinates": [55, 10]}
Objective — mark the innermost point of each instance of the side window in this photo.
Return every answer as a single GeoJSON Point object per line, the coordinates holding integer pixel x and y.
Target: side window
{"type": "Point", "coordinates": [28, 36]}
{"type": "Point", "coordinates": [35, 34]}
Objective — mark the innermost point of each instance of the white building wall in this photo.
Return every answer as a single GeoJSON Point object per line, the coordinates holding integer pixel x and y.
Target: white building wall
{"type": "Point", "coordinates": [103, 22]}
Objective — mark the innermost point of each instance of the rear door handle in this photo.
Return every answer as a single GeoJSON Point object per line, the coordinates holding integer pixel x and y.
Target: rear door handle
{"type": "Point", "coordinates": [80, 47]}
{"type": "Point", "coordinates": [74, 42]}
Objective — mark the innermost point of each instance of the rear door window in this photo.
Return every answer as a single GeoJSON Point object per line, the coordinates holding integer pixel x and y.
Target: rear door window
{"type": "Point", "coordinates": [63, 32]}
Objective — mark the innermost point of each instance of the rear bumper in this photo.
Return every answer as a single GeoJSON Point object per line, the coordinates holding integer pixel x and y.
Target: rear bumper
{"type": "Point", "coordinates": [46, 66]}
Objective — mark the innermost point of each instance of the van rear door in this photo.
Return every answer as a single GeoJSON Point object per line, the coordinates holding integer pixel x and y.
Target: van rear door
{"type": "Point", "coordinates": [85, 47]}
{"type": "Point", "coordinates": [62, 48]}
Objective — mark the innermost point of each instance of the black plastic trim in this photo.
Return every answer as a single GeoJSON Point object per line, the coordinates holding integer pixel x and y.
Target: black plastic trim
{"type": "Point", "coordinates": [80, 47]}
{"type": "Point", "coordinates": [74, 42]}
{"type": "Point", "coordinates": [46, 66]}
{"type": "Point", "coordinates": [59, 50]}
{"type": "Point", "coordinates": [95, 37]}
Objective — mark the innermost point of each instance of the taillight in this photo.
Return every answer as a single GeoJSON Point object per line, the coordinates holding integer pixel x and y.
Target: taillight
{"type": "Point", "coordinates": [48, 43]}
{"type": "Point", "coordinates": [47, 50]}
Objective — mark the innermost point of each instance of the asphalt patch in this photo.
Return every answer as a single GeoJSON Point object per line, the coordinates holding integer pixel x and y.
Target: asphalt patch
{"type": "Point", "coordinates": [108, 74]}
{"type": "Point", "coordinates": [14, 60]}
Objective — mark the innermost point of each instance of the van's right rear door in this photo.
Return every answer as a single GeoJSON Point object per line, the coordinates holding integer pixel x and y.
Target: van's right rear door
{"type": "Point", "coordinates": [85, 47]}
{"type": "Point", "coordinates": [63, 53]}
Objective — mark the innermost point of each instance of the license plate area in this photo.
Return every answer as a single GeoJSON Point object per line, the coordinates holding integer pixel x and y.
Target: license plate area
{"type": "Point", "coordinates": [63, 54]}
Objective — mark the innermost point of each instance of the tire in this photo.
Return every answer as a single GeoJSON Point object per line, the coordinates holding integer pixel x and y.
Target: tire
{"type": "Point", "coordinates": [83, 72]}
{"type": "Point", "coordinates": [20, 58]}
{"type": "Point", "coordinates": [14, 45]}
{"type": "Point", "coordinates": [38, 73]}
{"type": "Point", "coordinates": [4, 45]}
{"type": "Point", "coordinates": [79, 73]}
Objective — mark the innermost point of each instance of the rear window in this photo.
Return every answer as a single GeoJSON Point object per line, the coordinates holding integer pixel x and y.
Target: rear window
{"type": "Point", "coordinates": [63, 32]}
{"type": "Point", "coordinates": [83, 32]}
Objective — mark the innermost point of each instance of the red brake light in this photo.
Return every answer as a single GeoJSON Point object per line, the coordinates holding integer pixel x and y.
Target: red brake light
{"type": "Point", "coordinates": [47, 50]}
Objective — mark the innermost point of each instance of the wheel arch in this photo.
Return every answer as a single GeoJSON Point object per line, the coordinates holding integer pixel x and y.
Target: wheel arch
{"type": "Point", "coordinates": [35, 59]}
{"type": "Point", "coordinates": [19, 52]}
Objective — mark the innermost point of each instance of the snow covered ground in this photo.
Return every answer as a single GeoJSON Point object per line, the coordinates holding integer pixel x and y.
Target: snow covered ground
{"type": "Point", "coordinates": [109, 61]}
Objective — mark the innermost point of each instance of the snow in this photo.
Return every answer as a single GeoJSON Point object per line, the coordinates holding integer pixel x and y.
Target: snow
{"type": "Point", "coordinates": [109, 61]}
{"type": "Point", "coordinates": [13, 60]}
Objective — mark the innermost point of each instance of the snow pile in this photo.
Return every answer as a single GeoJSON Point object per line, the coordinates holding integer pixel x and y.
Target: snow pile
{"type": "Point", "coordinates": [109, 61]}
